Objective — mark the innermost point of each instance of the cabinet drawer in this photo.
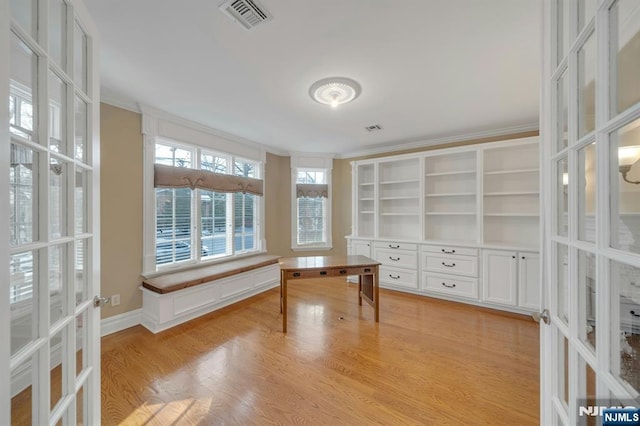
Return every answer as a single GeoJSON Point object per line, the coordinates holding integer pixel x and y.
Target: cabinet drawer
{"type": "Point", "coordinates": [450, 250]}
{"type": "Point", "coordinates": [395, 245]}
{"type": "Point", "coordinates": [398, 277]}
{"type": "Point", "coordinates": [459, 286]}
{"type": "Point", "coordinates": [397, 258]}
{"type": "Point", "coordinates": [463, 265]}
{"type": "Point", "coordinates": [298, 275]}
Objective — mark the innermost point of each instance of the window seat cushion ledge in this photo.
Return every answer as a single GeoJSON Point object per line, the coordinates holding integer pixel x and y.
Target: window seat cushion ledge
{"type": "Point", "coordinates": [175, 281]}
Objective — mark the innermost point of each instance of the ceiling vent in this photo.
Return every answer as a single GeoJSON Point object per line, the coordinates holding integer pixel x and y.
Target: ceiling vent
{"type": "Point", "coordinates": [249, 13]}
{"type": "Point", "coordinates": [373, 128]}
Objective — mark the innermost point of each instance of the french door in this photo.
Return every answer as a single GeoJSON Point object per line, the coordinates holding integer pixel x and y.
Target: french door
{"type": "Point", "coordinates": [590, 127]}
{"type": "Point", "coordinates": [49, 238]}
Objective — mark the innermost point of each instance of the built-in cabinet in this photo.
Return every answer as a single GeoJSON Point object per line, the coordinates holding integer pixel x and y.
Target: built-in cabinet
{"type": "Point", "coordinates": [458, 223]}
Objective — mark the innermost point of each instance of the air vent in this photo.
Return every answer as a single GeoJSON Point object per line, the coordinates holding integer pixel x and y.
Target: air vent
{"type": "Point", "coordinates": [373, 128]}
{"type": "Point", "coordinates": [249, 13]}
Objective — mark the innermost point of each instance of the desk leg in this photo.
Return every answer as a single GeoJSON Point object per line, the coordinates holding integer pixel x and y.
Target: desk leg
{"type": "Point", "coordinates": [281, 281]}
{"type": "Point", "coordinates": [284, 304]}
{"type": "Point", "coordinates": [376, 295]}
{"type": "Point", "coordinates": [360, 290]}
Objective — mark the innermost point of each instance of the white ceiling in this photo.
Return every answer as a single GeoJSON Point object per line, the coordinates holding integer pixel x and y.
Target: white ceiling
{"type": "Point", "coordinates": [430, 70]}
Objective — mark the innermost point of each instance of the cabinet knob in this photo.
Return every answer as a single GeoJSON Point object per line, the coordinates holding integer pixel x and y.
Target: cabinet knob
{"type": "Point", "coordinates": [523, 257]}
{"type": "Point", "coordinates": [513, 257]}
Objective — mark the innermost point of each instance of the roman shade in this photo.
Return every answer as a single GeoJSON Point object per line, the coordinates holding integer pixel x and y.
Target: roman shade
{"type": "Point", "coordinates": [312, 190]}
{"type": "Point", "coordinates": [182, 177]}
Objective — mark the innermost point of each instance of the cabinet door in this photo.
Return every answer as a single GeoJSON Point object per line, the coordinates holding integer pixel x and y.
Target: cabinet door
{"type": "Point", "coordinates": [499, 277]}
{"type": "Point", "coordinates": [529, 280]}
{"type": "Point", "coordinates": [362, 248]}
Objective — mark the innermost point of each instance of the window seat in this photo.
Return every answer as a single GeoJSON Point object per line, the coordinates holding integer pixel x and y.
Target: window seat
{"type": "Point", "coordinates": [177, 297]}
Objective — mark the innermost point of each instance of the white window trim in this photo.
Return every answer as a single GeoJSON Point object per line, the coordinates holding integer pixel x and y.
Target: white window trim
{"type": "Point", "coordinates": [320, 163]}
{"type": "Point", "coordinates": [159, 126]}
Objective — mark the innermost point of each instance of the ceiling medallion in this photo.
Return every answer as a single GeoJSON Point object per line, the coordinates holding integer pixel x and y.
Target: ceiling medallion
{"type": "Point", "coordinates": [334, 91]}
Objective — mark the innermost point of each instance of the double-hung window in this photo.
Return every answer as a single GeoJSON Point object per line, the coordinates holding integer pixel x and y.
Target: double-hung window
{"type": "Point", "coordinates": [311, 210]}
{"type": "Point", "coordinates": [193, 224]}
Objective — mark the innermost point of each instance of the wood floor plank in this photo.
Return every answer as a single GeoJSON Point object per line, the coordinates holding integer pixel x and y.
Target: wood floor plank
{"type": "Point", "coordinates": [426, 362]}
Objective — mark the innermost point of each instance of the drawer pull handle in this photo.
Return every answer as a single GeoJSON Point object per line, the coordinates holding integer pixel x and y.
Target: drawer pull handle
{"type": "Point", "coordinates": [296, 274]}
{"type": "Point", "coordinates": [449, 286]}
{"type": "Point", "coordinates": [397, 246]}
{"type": "Point", "coordinates": [367, 269]}
{"type": "Point", "coordinates": [395, 259]}
{"type": "Point", "coordinates": [397, 277]}
{"type": "Point", "coordinates": [343, 271]}
{"type": "Point", "coordinates": [448, 252]}
{"type": "Point", "coordinates": [448, 266]}
{"type": "Point", "coordinates": [634, 314]}
{"type": "Point", "coordinates": [323, 272]}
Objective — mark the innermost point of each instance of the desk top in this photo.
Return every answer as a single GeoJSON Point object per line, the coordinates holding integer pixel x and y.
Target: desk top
{"type": "Point", "coordinates": [323, 262]}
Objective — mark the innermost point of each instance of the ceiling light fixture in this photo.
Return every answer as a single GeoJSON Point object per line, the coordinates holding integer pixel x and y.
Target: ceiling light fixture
{"type": "Point", "coordinates": [334, 91]}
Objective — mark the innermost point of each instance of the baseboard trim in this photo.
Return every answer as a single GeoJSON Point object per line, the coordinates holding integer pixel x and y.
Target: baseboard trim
{"type": "Point", "coordinates": [120, 322]}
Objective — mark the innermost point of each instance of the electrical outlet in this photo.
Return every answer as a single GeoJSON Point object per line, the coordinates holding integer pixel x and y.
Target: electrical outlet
{"type": "Point", "coordinates": [115, 300]}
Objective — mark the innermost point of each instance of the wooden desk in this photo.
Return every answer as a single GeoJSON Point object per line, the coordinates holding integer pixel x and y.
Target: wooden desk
{"type": "Point", "coordinates": [297, 268]}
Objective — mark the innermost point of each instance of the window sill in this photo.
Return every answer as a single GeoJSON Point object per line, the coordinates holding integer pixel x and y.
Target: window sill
{"type": "Point", "coordinates": [194, 265]}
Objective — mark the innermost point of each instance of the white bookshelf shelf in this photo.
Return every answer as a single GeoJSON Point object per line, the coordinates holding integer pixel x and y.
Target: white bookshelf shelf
{"type": "Point", "coordinates": [510, 193]}
{"type": "Point", "coordinates": [450, 213]}
{"type": "Point", "coordinates": [512, 171]}
{"type": "Point", "coordinates": [399, 181]}
{"type": "Point", "coordinates": [452, 194]}
{"type": "Point", "coordinates": [453, 173]}
{"type": "Point", "coordinates": [512, 215]}
{"type": "Point", "coordinates": [399, 214]}
{"type": "Point", "coordinates": [398, 198]}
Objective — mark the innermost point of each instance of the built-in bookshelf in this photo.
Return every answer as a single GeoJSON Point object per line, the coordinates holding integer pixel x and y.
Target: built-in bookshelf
{"type": "Point", "coordinates": [450, 197]}
{"type": "Point", "coordinates": [511, 192]}
{"type": "Point", "coordinates": [399, 197]}
{"type": "Point", "coordinates": [366, 199]}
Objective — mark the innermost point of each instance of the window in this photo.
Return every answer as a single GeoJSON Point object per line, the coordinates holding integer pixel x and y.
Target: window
{"type": "Point", "coordinates": [198, 225]}
{"type": "Point", "coordinates": [311, 211]}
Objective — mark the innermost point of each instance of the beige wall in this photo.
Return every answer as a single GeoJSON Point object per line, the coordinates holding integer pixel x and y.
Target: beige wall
{"type": "Point", "coordinates": [121, 207]}
{"type": "Point", "coordinates": [122, 194]}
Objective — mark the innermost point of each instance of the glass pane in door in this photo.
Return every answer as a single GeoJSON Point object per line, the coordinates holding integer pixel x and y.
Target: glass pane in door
{"type": "Point", "coordinates": [23, 195]}
{"type": "Point", "coordinates": [586, 12]}
{"type": "Point", "coordinates": [22, 90]}
{"type": "Point", "coordinates": [57, 32]}
{"type": "Point", "coordinates": [562, 287]}
{"type": "Point", "coordinates": [562, 119]}
{"type": "Point", "coordinates": [25, 14]}
{"type": "Point", "coordinates": [587, 298]}
{"type": "Point", "coordinates": [625, 188]}
{"type": "Point", "coordinates": [562, 189]}
{"type": "Point", "coordinates": [22, 299]}
{"type": "Point", "coordinates": [81, 133]}
{"type": "Point", "coordinates": [57, 198]}
{"type": "Point", "coordinates": [81, 202]}
{"type": "Point", "coordinates": [81, 272]}
{"type": "Point", "coordinates": [56, 367]}
{"type": "Point", "coordinates": [587, 193]}
{"type": "Point", "coordinates": [562, 28]}
{"type": "Point", "coordinates": [80, 57]}
{"type": "Point", "coordinates": [626, 54]}
{"type": "Point", "coordinates": [625, 336]}
{"type": "Point", "coordinates": [57, 114]}
{"type": "Point", "coordinates": [587, 87]}
{"type": "Point", "coordinates": [57, 282]}
{"type": "Point", "coordinates": [22, 398]}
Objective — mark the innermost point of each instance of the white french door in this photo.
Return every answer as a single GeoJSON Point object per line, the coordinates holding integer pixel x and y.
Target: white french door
{"type": "Point", "coordinates": [49, 241]}
{"type": "Point", "coordinates": [590, 127]}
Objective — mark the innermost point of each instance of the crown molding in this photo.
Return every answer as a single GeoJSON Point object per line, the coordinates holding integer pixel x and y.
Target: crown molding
{"type": "Point", "coordinates": [423, 143]}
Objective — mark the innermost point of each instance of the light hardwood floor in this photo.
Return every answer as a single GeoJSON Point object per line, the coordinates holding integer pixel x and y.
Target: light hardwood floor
{"type": "Point", "coordinates": [427, 362]}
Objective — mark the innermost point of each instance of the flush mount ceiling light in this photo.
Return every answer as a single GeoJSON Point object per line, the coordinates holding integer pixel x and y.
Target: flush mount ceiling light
{"type": "Point", "coordinates": [334, 91]}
